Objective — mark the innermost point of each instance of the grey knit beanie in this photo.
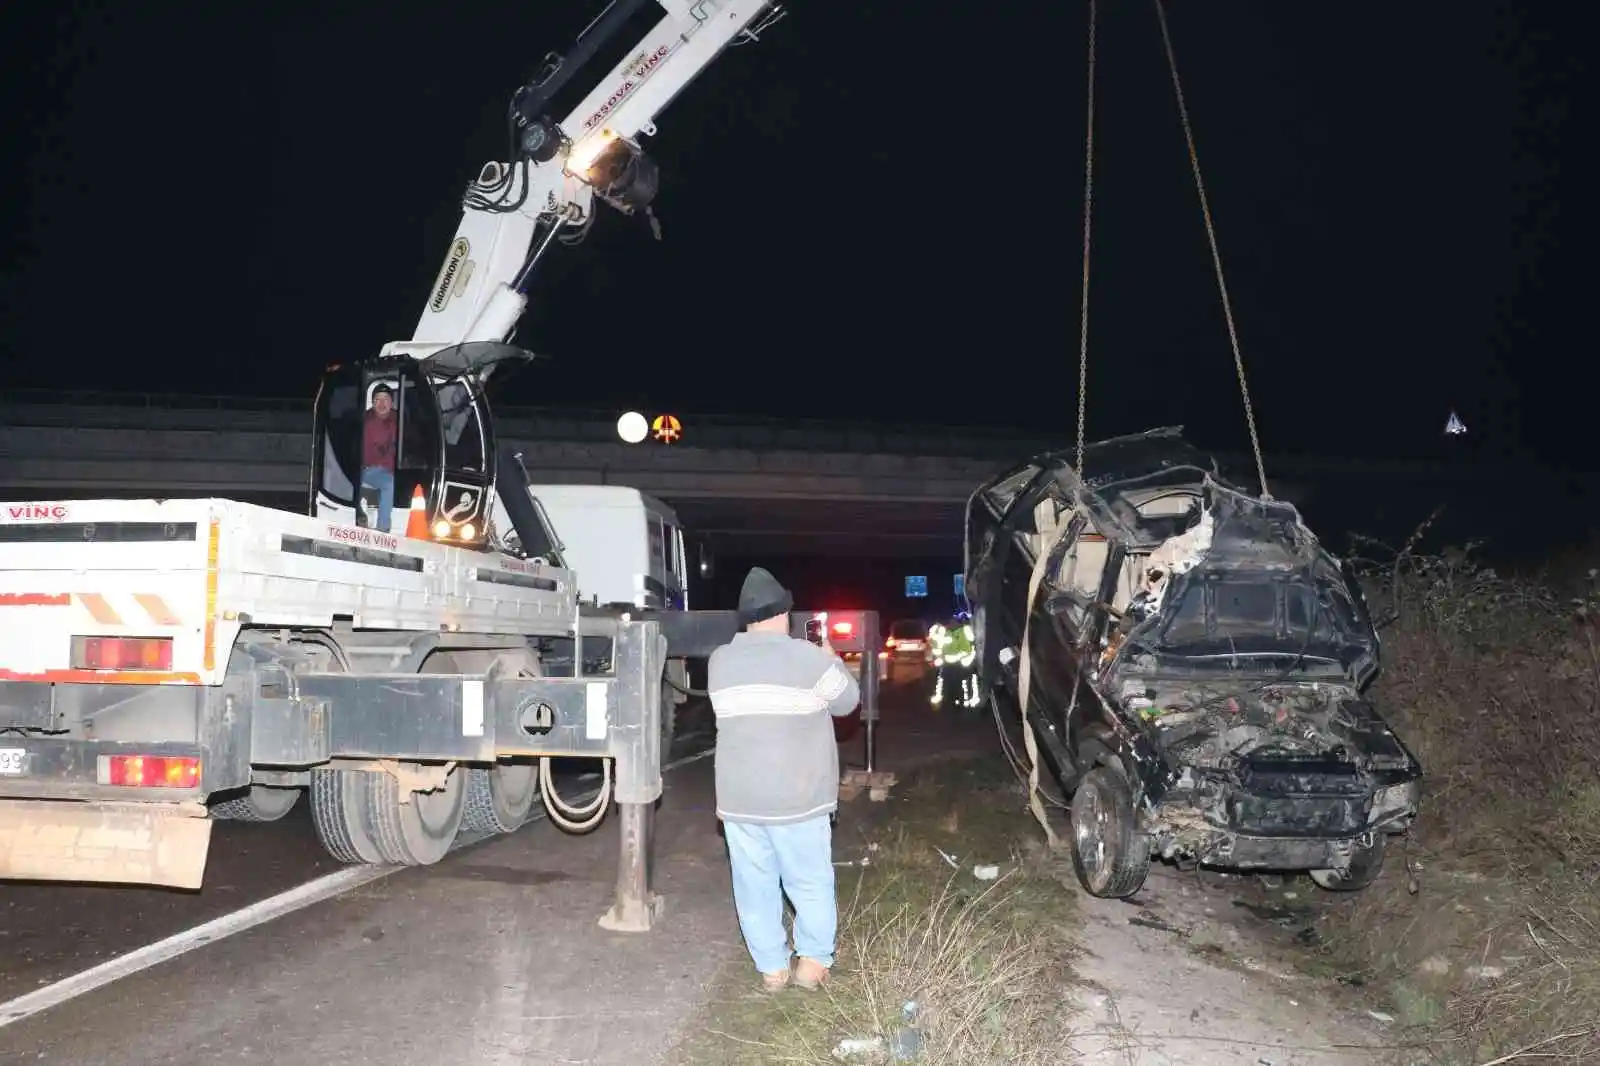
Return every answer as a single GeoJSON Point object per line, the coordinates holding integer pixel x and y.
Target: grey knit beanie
{"type": "Point", "coordinates": [762, 597]}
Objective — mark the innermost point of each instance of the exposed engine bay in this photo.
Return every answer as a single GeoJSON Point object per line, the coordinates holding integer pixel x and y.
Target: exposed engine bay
{"type": "Point", "coordinates": [1300, 761]}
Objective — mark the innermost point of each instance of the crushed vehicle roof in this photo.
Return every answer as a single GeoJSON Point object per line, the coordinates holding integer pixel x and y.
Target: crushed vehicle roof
{"type": "Point", "coordinates": [1253, 538]}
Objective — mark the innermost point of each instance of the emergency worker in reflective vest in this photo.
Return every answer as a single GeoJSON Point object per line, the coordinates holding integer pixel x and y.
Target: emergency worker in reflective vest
{"type": "Point", "coordinates": [955, 656]}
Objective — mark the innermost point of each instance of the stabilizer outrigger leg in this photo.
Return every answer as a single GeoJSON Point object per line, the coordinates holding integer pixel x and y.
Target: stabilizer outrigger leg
{"type": "Point", "coordinates": [638, 906]}
{"type": "Point", "coordinates": [639, 661]}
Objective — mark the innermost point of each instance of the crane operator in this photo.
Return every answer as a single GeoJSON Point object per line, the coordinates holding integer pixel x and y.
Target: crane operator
{"type": "Point", "coordinates": [378, 452]}
{"type": "Point", "coordinates": [955, 660]}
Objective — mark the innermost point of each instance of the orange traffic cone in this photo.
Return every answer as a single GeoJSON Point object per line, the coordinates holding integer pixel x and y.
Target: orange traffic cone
{"type": "Point", "coordinates": [417, 517]}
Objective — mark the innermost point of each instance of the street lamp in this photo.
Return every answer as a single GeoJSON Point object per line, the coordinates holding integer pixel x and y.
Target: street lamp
{"type": "Point", "coordinates": [633, 427]}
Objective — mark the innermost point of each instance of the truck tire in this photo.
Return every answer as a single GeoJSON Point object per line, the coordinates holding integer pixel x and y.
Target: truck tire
{"type": "Point", "coordinates": [260, 803]}
{"type": "Point", "coordinates": [669, 725]}
{"type": "Point", "coordinates": [1365, 865]}
{"type": "Point", "coordinates": [339, 808]}
{"type": "Point", "coordinates": [418, 832]}
{"type": "Point", "coordinates": [500, 797]}
{"type": "Point", "coordinates": [340, 811]}
{"type": "Point", "coordinates": [674, 690]}
{"type": "Point", "coordinates": [1110, 855]}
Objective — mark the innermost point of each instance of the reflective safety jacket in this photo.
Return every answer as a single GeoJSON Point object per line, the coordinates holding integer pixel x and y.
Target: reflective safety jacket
{"type": "Point", "coordinates": [952, 647]}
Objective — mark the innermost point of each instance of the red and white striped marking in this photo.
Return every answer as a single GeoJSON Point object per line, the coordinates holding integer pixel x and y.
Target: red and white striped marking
{"type": "Point", "coordinates": [138, 609]}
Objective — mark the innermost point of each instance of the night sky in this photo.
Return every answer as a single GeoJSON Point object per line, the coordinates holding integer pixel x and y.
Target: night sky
{"type": "Point", "coordinates": [874, 213]}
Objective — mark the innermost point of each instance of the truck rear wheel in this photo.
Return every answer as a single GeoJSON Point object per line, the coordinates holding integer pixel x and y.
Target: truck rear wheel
{"type": "Point", "coordinates": [674, 685]}
{"type": "Point", "coordinates": [669, 725]}
{"type": "Point", "coordinates": [416, 830]}
{"type": "Point", "coordinates": [339, 809]}
{"type": "Point", "coordinates": [260, 803]}
{"type": "Point", "coordinates": [500, 797]}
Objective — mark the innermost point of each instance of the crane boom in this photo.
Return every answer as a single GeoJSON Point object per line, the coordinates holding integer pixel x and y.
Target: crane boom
{"type": "Point", "coordinates": [514, 210]}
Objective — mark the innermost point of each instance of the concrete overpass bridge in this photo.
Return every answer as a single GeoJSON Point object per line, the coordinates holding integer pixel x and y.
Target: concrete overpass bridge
{"type": "Point", "coordinates": [748, 486]}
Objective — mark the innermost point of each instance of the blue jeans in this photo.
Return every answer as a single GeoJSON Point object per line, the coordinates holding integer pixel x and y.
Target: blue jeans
{"type": "Point", "coordinates": [769, 861]}
{"type": "Point", "coordinates": [382, 479]}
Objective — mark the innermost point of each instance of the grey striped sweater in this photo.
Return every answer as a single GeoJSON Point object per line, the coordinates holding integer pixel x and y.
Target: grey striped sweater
{"type": "Point", "coordinates": [775, 698]}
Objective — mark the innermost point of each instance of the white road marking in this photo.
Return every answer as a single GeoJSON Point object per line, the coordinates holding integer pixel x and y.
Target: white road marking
{"type": "Point", "coordinates": [259, 913]}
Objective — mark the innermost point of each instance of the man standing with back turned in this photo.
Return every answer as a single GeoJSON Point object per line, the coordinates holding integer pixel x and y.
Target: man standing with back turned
{"type": "Point", "coordinates": [777, 770]}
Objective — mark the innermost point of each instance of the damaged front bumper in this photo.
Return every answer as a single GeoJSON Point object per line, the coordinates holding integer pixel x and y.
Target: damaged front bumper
{"type": "Point", "coordinates": [1238, 827]}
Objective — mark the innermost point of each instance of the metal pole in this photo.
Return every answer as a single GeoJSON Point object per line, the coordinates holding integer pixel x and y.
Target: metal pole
{"type": "Point", "coordinates": [869, 686]}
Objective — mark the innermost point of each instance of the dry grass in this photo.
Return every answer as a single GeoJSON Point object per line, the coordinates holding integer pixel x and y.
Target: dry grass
{"type": "Point", "coordinates": [1487, 939]}
{"type": "Point", "coordinates": [984, 963]}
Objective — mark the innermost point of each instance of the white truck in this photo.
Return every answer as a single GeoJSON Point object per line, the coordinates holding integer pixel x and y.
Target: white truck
{"type": "Point", "coordinates": [627, 545]}
{"type": "Point", "coordinates": [167, 662]}
{"type": "Point", "coordinates": [630, 553]}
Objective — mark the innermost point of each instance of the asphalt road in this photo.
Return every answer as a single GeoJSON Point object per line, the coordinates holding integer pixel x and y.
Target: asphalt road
{"type": "Point", "coordinates": [491, 956]}
{"type": "Point", "coordinates": [50, 931]}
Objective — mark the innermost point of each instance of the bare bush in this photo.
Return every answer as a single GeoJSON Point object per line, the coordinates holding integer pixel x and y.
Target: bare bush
{"type": "Point", "coordinates": [1490, 933]}
{"type": "Point", "coordinates": [982, 982]}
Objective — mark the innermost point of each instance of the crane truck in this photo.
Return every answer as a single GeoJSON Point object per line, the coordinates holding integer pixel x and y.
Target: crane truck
{"type": "Point", "coordinates": [164, 663]}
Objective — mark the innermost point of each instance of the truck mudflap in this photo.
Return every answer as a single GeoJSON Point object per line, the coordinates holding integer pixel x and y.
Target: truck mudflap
{"type": "Point", "coordinates": [133, 843]}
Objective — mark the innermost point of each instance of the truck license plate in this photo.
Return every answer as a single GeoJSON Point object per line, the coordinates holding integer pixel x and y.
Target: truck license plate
{"type": "Point", "coordinates": [11, 760]}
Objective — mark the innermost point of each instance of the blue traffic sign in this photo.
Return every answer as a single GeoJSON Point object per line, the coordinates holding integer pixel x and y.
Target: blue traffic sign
{"type": "Point", "coordinates": [916, 586]}
{"type": "Point", "coordinates": [961, 586]}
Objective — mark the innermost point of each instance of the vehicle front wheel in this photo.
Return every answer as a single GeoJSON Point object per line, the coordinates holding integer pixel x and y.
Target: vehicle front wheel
{"type": "Point", "coordinates": [1365, 865]}
{"type": "Point", "coordinates": [1110, 855]}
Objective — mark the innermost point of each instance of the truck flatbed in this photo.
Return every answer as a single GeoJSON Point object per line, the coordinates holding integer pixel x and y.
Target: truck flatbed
{"type": "Point", "coordinates": [197, 572]}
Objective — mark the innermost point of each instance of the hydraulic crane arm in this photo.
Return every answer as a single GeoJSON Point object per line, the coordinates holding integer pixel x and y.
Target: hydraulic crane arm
{"type": "Point", "coordinates": [515, 210]}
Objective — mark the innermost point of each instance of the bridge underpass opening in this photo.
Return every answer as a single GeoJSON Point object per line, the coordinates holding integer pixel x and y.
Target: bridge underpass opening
{"type": "Point", "coordinates": [832, 554]}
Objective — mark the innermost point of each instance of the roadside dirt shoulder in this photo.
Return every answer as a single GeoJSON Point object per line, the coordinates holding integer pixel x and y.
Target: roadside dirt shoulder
{"type": "Point", "coordinates": [1202, 972]}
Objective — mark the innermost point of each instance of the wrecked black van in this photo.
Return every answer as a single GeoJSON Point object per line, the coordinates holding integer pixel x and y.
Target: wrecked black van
{"type": "Point", "coordinates": [1193, 665]}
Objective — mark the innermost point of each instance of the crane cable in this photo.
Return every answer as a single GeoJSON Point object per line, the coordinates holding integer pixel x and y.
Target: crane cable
{"type": "Point", "coordinates": [1024, 667]}
{"type": "Point", "coordinates": [1216, 258]}
{"type": "Point", "coordinates": [1088, 218]}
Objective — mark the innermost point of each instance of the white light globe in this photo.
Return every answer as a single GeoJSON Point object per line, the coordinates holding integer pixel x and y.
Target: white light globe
{"type": "Point", "coordinates": [633, 427]}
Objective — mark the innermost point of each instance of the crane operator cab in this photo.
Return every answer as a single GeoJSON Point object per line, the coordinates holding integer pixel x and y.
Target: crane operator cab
{"type": "Point", "coordinates": [386, 427]}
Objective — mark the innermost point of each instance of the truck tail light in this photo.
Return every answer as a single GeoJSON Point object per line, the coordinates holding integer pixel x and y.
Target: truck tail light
{"type": "Point", "coordinates": [122, 653]}
{"type": "Point", "coordinates": [843, 629]}
{"type": "Point", "coordinates": [149, 771]}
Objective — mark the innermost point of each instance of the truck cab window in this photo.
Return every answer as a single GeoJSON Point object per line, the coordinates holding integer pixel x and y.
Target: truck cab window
{"type": "Point", "coordinates": [669, 547]}
{"type": "Point", "coordinates": [419, 446]}
{"type": "Point", "coordinates": [464, 444]}
{"type": "Point", "coordinates": [341, 446]}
